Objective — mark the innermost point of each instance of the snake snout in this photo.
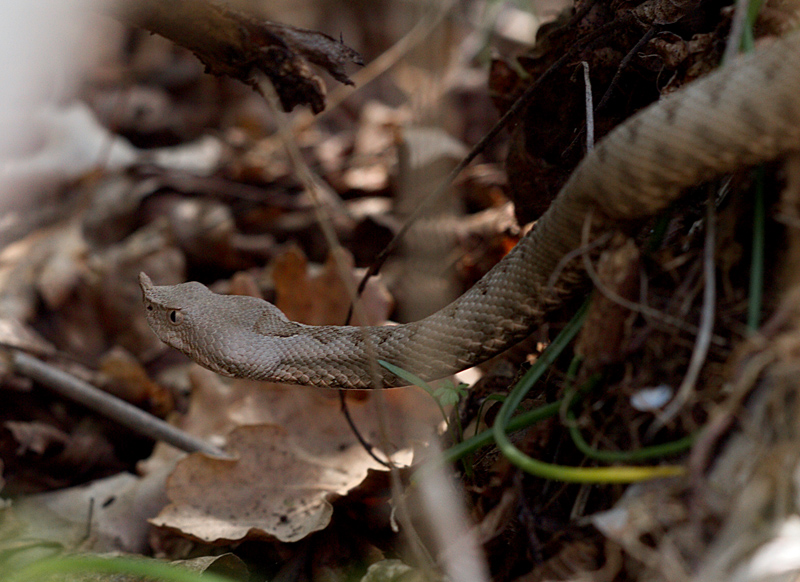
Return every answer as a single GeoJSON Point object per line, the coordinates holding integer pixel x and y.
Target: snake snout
{"type": "Point", "coordinates": [145, 282]}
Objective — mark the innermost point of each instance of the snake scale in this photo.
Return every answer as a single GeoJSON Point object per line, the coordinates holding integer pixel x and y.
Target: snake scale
{"type": "Point", "coordinates": [742, 114]}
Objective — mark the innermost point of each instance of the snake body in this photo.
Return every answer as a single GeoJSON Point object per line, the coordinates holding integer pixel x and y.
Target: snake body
{"type": "Point", "coordinates": [742, 114]}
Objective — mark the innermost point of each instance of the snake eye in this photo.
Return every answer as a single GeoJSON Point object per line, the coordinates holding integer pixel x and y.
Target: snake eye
{"type": "Point", "coordinates": [175, 316]}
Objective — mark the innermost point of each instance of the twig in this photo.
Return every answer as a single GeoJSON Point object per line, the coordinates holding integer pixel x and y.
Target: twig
{"type": "Point", "coordinates": [703, 341]}
{"type": "Point", "coordinates": [232, 43]}
{"type": "Point", "coordinates": [589, 107]}
{"type": "Point", "coordinates": [585, 248]}
{"type": "Point", "coordinates": [367, 446]}
{"type": "Point", "coordinates": [623, 64]}
{"type": "Point", "coordinates": [421, 30]}
{"type": "Point", "coordinates": [110, 406]}
{"type": "Point", "coordinates": [609, 293]}
{"type": "Point", "coordinates": [322, 196]}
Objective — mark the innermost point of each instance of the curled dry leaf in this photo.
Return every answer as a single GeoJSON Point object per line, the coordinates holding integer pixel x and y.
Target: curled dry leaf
{"type": "Point", "coordinates": [274, 488]}
{"type": "Point", "coordinates": [670, 49]}
{"type": "Point", "coordinates": [21, 263]}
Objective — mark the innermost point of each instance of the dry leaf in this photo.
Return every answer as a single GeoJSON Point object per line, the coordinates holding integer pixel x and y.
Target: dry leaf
{"type": "Point", "coordinates": [124, 376]}
{"type": "Point", "coordinates": [118, 507]}
{"type": "Point", "coordinates": [275, 488]}
{"type": "Point", "coordinates": [323, 299]}
{"type": "Point", "coordinates": [310, 426]}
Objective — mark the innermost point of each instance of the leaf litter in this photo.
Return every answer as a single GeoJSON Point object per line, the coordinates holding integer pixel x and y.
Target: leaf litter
{"type": "Point", "coordinates": [164, 195]}
{"type": "Point", "coordinates": [154, 166]}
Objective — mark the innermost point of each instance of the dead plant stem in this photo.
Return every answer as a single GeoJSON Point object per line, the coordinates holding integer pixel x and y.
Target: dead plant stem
{"type": "Point", "coordinates": [110, 406]}
{"type": "Point", "coordinates": [707, 318]}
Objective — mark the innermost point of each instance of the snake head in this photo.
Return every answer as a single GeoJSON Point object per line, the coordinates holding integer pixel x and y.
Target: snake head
{"type": "Point", "coordinates": [176, 314]}
{"type": "Point", "coordinates": [216, 331]}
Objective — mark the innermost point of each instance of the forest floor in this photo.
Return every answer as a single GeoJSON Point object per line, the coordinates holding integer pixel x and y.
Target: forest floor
{"type": "Point", "coordinates": [147, 163]}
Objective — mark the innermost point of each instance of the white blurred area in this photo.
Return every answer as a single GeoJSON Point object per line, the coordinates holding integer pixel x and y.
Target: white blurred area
{"type": "Point", "coordinates": [40, 65]}
{"type": "Point", "coordinates": [49, 137]}
{"type": "Point", "coordinates": [39, 57]}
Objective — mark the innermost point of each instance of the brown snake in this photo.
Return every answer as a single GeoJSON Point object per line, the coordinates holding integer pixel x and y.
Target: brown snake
{"type": "Point", "coordinates": [742, 114]}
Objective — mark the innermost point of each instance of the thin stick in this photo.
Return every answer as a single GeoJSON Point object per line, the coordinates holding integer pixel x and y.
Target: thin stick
{"type": "Point", "coordinates": [356, 432]}
{"type": "Point", "coordinates": [110, 406]}
{"type": "Point", "coordinates": [703, 341]}
{"type": "Point", "coordinates": [587, 82]}
{"type": "Point", "coordinates": [645, 310]}
{"type": "Point", "coordinates": [623, 64]}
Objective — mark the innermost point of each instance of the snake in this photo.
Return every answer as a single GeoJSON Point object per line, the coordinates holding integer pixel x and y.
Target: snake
{"type": "Point", "coordinates": [742, 114]}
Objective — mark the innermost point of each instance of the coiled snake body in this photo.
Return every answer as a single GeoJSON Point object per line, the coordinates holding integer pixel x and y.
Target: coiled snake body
{"type": "Point", "coordinates": [742, 114]}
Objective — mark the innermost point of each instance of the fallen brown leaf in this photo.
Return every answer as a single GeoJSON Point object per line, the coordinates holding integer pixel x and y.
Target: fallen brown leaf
{"type": "Point", "coordinates": [311, 431]}
{"type": "Point", "coordinates": [275, 488]}
{"type": "Point", "coordinates": [323, 299]}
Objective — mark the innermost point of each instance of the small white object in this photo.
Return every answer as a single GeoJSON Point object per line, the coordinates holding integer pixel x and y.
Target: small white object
{"type": "Point", "coordinates": [469, 376]}
{"type": "Point", "coordinates": [648, 399]}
